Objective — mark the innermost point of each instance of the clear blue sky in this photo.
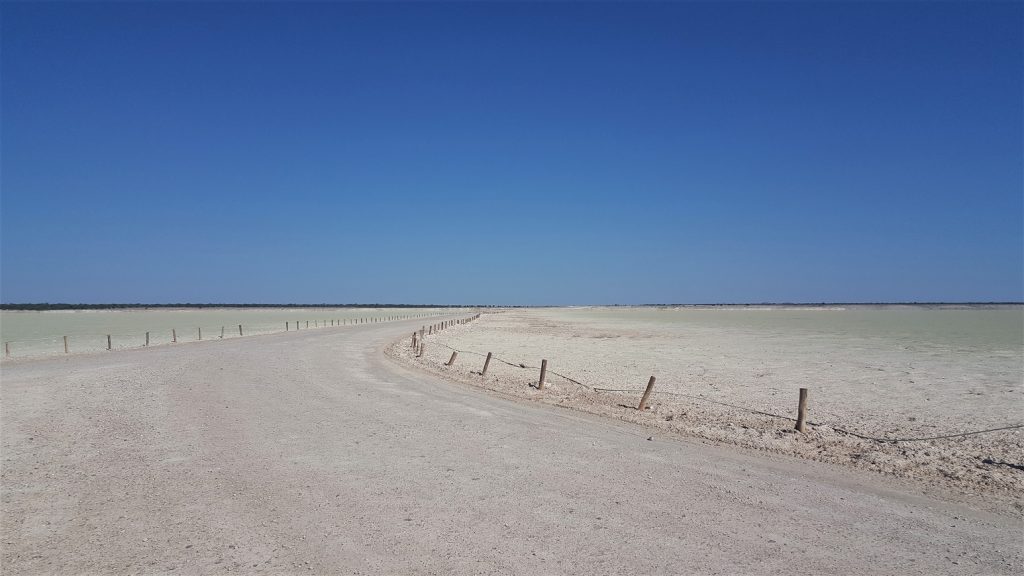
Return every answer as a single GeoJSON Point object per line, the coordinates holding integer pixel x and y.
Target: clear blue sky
{"type": "Point", "coordinates": [526, 153]}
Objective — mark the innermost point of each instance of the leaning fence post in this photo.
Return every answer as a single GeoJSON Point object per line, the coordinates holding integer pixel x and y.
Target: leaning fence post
{"type": "Point", "coordinates": [543, 373]}
{"type": "Point", "coordinates": [647, 394]}
{"type": "Point", "coordinates": [801, 411]}
{"type": "Point", "coordinates": [221, 331]}
{"type": "Point", "coordinates": [451, 360]}
{"type": "Point", "coordinates": [486, 363]}
{"type": "Point", "coordinates": [239, 329]}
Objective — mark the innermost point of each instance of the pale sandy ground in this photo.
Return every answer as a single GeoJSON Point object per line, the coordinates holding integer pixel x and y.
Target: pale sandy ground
{"type": "Point", "coordinates": [312, 453]}
{"type": "Point", "coordinates": [705, 379]}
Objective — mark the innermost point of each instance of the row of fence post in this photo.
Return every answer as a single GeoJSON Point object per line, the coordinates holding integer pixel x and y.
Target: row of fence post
{"type": "Point", "coordinates": [418, 346]}
{"type": "Point", "coordinates": [199, 330]}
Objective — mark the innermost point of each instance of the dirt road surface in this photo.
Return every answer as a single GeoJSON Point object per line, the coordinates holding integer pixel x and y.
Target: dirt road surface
{"type": "Point", "coordinates": [312, 453]}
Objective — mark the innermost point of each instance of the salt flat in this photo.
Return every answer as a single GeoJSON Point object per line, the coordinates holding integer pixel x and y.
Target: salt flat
{"type": "Point", "coordinates": [34, 334]}
{"type": "Point", "coordinates": [312, 452]}
{"type": "Point", "coordinates": [882, 372]}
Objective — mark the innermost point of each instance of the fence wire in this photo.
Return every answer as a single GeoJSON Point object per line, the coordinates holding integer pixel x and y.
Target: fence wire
{"type": "Point", "coordinates": [743, 408]}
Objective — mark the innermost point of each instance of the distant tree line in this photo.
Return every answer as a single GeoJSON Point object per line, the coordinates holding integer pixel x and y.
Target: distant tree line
{"type": "Point", "coordinates": [818, 304]}
{"type": "Point", "coordinates": [66, 306]}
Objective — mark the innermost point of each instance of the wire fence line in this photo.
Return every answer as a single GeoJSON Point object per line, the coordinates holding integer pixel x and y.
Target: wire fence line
{"type": "Point", "coordinates": [121, 340]}
{"type": "Point", "coordinates": [702, 398]}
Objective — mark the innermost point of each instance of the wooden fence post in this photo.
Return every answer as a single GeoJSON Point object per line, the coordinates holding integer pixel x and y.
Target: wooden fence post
{"type": "Point", "coordinates": [221, 331]}
{"type": "Point", "coordinates": [543, 373]}
{"type": "Point", "coordinates": [286, 326]}
{"type": "Point", "coordinates": [487, 362]}
{"type": "Point", "coordinates": [147, 338]}
{"type": "Point", "coordinates": [174, 335]}
{"type": "Point", "coordinates": [801, 411]}
{"type": "Point", "coordinates": [451, 360]}
{"type": "Point", "coordinates": [7, 349]}
{"type": "Point", "coordinates": [423, 346]}
{"type": "Point", "coordinates": [414, 340]}
{"type": "Point", "coordinates": [65, 344]}
{"type": "Point", "coordinates": [108, 341]}
{"type": "Point", "coordinates": [239, 329]}
{"type": "Point", "coordinates": [200, 332]}
{"type": "Point", "coordinates": [647, 394]}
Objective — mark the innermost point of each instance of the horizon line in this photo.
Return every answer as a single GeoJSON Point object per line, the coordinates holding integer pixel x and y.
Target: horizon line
{"type": "Point", "coordinates": [43, 306]}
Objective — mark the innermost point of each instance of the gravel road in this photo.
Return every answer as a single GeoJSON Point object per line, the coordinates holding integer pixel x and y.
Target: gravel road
{"type": "Point", "coordinates": [313, 453]}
